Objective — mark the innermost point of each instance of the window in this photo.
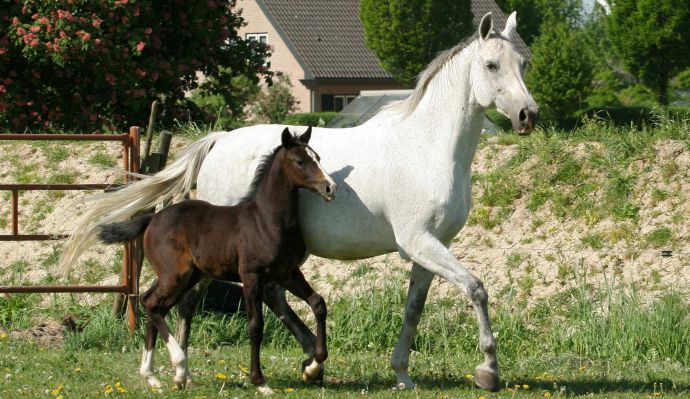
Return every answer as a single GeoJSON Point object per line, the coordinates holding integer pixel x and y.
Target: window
{"type": "Point", "coordinates": [257, 37]}
{"type": "Point", "coordinates": [335, 102]}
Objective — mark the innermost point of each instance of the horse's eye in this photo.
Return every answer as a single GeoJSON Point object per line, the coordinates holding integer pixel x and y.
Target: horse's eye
{"type": "Point", "coordinates": [492, 66]}
{"type": "Point", "coordinates": [300, 162]}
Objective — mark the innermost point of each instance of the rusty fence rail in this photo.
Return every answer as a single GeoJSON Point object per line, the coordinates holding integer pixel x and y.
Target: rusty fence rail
{"type": "Point", "coordinates": [130, 280]}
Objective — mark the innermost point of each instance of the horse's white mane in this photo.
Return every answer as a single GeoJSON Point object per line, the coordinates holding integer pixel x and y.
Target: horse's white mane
{"type": "Point", "coordinates": [407, 106]}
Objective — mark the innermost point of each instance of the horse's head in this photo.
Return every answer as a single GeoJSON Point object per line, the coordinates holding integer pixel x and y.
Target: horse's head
{"type": "Point", "coordinates": [497, 75]}
{"type": "Point", "coordinates": [302, 167]}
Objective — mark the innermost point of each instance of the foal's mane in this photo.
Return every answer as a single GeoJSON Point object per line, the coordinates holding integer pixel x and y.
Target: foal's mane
{"type": "Point", "coordinates": [407, 106]}
{"type": "Point", "coordinates": [262, 170]}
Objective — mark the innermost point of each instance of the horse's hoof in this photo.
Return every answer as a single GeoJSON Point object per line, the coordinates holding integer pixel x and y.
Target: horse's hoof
{"type": "Point", "coordinates": [265, 389]}
{"type": "Point", "coordinates": [403, 381]}
{"type": "Point", "coordinates": [487, 378]}
{"type": "Point", "coordinates": [312, 372]}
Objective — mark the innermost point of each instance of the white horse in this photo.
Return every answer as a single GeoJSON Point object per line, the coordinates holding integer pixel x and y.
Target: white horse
{"type": "Point", "coordinates": [404, 184]}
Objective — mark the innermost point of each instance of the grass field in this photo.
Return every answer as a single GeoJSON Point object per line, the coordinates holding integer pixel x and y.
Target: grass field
{"type": "Point", "coordinates": [588, 342]}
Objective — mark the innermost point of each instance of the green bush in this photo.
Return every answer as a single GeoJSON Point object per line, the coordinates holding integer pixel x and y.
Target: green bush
{"type": "Point", "coordinates": [309, 118]}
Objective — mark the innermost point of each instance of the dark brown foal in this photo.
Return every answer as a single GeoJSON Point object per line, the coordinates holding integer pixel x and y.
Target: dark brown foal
{"type": "Point", "coordinates": [256, 242]}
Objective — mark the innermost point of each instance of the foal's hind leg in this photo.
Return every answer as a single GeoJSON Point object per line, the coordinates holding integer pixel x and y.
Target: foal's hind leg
{"type": "Point", "coordinates": [161, 297]}
{"type": "Point", "coordinates": [298, 285]}
{"type": "Point", "coordinates": [146, 368]}
{"type": "Point", "coordinates": [185, 312]}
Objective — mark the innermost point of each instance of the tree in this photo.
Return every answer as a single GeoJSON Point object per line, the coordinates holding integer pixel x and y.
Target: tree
{"type": "Point", "coordinates": [407, 34]}
{"type": "Point", "coordinates": [533, 13]}
{"type": "Point", "coordinates": [560, 74]}
{"type": "Point", "coordinates": [652, 39]}
{"type": "Point", "coordinates": [274, 104]}
{"type": "Point", "coordinates": [83, 64]}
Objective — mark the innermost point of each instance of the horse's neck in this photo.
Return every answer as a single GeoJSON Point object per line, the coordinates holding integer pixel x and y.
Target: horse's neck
{"type": "Point", "coordinates": [447, 114]}
{"type": "Point", "coordinates": [276, 197]}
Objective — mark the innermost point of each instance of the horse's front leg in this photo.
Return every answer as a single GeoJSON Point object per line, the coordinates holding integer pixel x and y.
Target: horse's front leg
{"type": "Point", "coordinates": [420, 280]}
{"type": "Point", "coordinates": [427, 251]}
{"type": "Point", "coordinates": [298, 285]}
{"type": "Point", "coordinates": [252, 287]}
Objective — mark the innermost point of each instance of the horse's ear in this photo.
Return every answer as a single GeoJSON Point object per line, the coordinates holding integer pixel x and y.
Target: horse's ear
{"type": "Point", "coordinates": [304, 137]}
{"type": "Point", "coordinates": [486, 26]}
{"type": "Point", "coordinates": [287, 139]}
{"type": "Point", "coordinates": [511, 27]}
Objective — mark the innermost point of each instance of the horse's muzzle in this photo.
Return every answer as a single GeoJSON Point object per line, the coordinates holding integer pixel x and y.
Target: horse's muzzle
{"type": "Point", "coordinates": [327, 190]}
{"type": "Point", "coordinates": [527, 121]}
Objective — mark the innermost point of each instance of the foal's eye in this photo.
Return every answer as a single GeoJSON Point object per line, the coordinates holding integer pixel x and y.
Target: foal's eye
{"type": "Point", "coordinates": [492, 66]}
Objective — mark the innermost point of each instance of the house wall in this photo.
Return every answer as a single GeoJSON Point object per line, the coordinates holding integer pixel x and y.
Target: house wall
{"type": "Point", "coordinates": [281, 59]}
{"type": "Point", "coordinates": [351, 88]}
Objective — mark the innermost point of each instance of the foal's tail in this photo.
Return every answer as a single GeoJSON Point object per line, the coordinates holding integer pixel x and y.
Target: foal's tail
{"type": "Point", "coordinates": [170, 183]}
{"type": "Point", "coordinates": [124, 231]}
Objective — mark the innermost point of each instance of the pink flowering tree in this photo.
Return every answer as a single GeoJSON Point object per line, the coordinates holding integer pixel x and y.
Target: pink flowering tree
{"type": "Point", "coordinates": [86, 64]}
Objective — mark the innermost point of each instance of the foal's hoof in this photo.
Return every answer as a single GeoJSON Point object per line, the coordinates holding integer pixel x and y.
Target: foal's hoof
{"type": "Point", "coordinates": [487, 378]}
{"type": "Point", "coordinates": [312, 372]}
{"type": "Point", "coordinates": [265, 389]}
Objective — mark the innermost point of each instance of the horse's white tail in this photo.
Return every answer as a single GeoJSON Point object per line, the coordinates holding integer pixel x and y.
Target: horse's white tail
{"type": "Point", "coordinates": [170, 183]}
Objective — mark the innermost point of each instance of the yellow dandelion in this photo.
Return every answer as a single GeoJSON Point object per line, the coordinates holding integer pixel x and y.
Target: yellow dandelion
{"type": "Point", "coordinates": [547, 394]}
{"type": "Point", "coordinates": [77, 370]}
{"type": "Point", "coordinates": [221, 376]}
{"type": "Point", "coordinates": [56, 391]}
{"type": "Point", "coordinates": [468, 376]}
{"type": "Point", "coordinates": [482, 397]}
{"type": "Point", "coordinates": [244, 370]}
{"type": "Point", "coordinates": [517, 386]}
{"type": "Point", "coordinates": [509, 389]}
{"type": "Point", "coordinates": [290, 390]}
{"type": "Point", "coordinates": [4, 335]}
{"type": "Point", "coordinates": [221, 361]}
{"type": "Point", "coordinates": [119, 387]}
{"type": "Point", "coordinates": [58, 397]}
{"type": "Point", "coordinates": [108, 388]}
{"type": "Point", "coordinates": [525, 386]}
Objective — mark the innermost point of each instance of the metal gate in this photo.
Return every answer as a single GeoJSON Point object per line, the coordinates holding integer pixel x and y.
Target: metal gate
{"type": "Point", "coordinates": [130, 279]}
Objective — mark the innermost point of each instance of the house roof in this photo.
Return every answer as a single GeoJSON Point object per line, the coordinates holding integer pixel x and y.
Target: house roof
{"type": "Point", "coordinates": [327, 37]}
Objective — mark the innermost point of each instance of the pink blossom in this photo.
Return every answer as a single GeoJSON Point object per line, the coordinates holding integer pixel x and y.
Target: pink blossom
{"type": "Point", "coordinates": [21, 31]}
{"type": "Point", "coordinates": [56, 47]}
{"type": "Point", "coordinates": [148, 30]}
{"type": "Point", "coordinates": [43, 21]}
{"type": "Point", "coordinates": [97, 41]}
{"type": "Point", "coordinates": [140, 72]}
{"type": "Point", "coordinates": [35, 29]}
{"type": "Point", "coordinates": [136, 11]}
{"type": "Point", "coordinates": [3, 89]}
{"type": "Point", "coordinates": [2, 50]}
{"type": "Point", "coordinates": [97, 22]}
{"type": "Point", "coordinates": [141, 46]}
{"type": "Point", "coordinates": [86, 37]}
{"type": "Point", "coordinates": [15, 21]}
{"type": "Point", "coordinates": [62, 33]}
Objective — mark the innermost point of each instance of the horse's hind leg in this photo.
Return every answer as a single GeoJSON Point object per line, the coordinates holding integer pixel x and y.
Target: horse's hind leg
{"type": "Point", "coordinates": [298, 285]}
{"type": "Point", "coordinates": [420, 280]}
{"type": "Point", "coordinates": [274, 297]}
{"type": "Point", "coordinates": [146, 368]}
{"type": "Point", "coordinates": [185, 312]}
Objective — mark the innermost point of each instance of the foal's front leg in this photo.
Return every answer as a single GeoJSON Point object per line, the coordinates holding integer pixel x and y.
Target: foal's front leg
{"type": "Point", "coordinates": [252, 288]}
{"type": "Point", "coordinates": [298, 285]}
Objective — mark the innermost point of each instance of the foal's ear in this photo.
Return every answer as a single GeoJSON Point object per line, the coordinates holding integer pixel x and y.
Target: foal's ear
{"type": "Point", "coordinates": [287, 139]}
{"type": "Point", "coordinates": [304, 137]}
{"type": "Point", "coordinates": [486, 26]}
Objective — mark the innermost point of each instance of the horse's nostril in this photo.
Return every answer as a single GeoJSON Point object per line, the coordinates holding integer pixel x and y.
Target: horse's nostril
{"type": "Point", "coordinates": [524, 116]}
{"type": "Point", "coordinates": [328, 189]}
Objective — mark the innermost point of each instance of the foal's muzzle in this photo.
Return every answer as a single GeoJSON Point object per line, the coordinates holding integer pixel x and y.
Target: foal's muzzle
{"type": "Point", "coordinates": [327, 190]}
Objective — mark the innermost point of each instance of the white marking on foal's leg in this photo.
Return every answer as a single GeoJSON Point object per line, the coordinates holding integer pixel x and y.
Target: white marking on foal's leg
{"type": "Point", "coordinates": [146, 369]}
{"type": "Point", "coordinates": [265, 389]}
{"type": "Point", "coordinates": [311, 372]}
{"type": "Point", "coordinates": [179, 360]}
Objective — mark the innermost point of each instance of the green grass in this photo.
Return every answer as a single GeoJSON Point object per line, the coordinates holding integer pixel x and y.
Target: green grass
{"type": "Point", "coordinates": [605, 343]}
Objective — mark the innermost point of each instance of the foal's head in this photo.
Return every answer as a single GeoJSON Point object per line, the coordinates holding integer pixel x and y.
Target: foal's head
{"type": "Point", "coordinates": [302, 167]}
